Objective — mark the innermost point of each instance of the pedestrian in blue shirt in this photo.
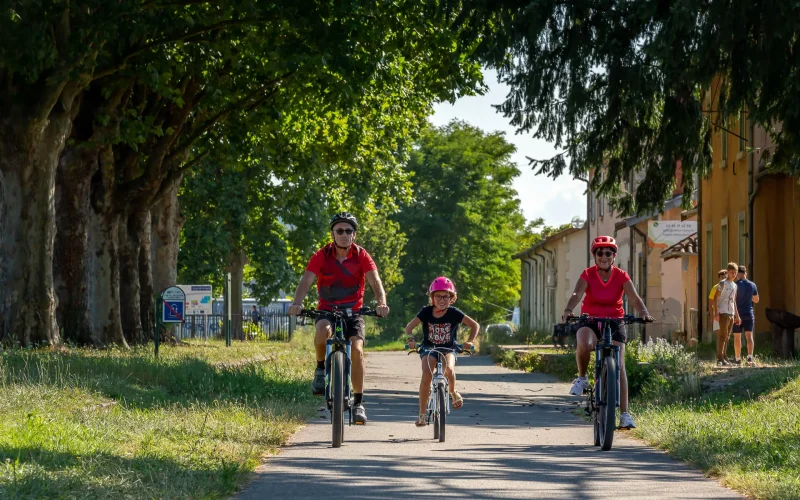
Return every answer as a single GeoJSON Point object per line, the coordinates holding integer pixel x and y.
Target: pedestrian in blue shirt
{"type": "Point", "coordinates": [746, 296]}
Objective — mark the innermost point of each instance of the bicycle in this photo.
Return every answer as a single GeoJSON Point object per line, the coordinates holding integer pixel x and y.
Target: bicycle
{"type": "Point", "coordinates": [439, 400]}
{"type": "Point", "coordinates": [338, 386]}
{"type": "Point", "coordinates": [603, 399]}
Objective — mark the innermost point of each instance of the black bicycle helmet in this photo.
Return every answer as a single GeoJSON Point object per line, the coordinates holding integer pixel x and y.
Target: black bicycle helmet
{"type": "Point", "coordinates": [344, 217]}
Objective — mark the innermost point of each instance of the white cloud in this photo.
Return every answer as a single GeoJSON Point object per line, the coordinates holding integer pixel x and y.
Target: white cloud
{"type": "Point", "coordinates": [557, 201]}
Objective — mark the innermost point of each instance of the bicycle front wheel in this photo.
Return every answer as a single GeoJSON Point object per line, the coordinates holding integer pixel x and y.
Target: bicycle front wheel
{"type": "Point", "coordinates": [436, 410]}
{"type": "Point", "coordinates": [337, 383]}
{"type": "Point", "coordinates": [608, 402]}
{"type": "Point", "coordinates": [442, 403]}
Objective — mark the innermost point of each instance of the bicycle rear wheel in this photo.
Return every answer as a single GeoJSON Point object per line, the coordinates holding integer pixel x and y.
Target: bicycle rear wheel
{"type": "Point", "coordinates": [337, 383]}
{"type": "Point", "coordinates": [442, 404]}
{"type": "Point", "coordinates": [607, 413]}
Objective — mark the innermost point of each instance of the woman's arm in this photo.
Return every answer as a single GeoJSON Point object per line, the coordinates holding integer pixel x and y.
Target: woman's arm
{"type": "Point", "coordinates": [636, 301]}
{"type": "Point", "coordinates": [577, 295]}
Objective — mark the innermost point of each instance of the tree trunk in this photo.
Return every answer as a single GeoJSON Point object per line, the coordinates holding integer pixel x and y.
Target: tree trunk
{"type": "Point", "coordinates": [29, 151]}
{"type": "Point", "coordinates": [104, 282]}
{"type": "Point", "coordinates": [237, 261]}
{"type": "Point", "coordinates": [130, 289]}
{"type": "Point", "coordinates": [71, 265]}
{"type": "Point", "coordinates": [167, 222]}
{"type": "Point", "coordinates": [147, 293]}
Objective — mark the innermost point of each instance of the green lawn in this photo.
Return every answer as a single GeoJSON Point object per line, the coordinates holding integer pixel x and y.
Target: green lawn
{"type": "Point", "coordinates": [746, 433]}
{"type": "Point", "coordinates": [110, 424]}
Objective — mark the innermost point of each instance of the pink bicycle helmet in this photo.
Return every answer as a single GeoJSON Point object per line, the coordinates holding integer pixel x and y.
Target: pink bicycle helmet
{"type": "Point", "coordinates": [442, 284]}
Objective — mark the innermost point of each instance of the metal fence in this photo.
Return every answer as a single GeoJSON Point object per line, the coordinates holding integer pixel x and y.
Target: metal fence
{"type": "Point", "coordinates": [268, 325]}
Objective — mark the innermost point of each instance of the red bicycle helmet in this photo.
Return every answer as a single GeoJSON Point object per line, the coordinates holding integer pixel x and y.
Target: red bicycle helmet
{"type": "Point", "coordinates": [604, 242]}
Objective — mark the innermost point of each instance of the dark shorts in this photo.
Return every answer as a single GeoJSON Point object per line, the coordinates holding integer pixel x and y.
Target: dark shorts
{"type": "Point", "coordinates": [747, 325]}
{"type": "Point", "coordinates": [618, 331]}
{"type": "Point", "coordinates": [425, 351]}
{"type": "Point", "coordinates": [353, 327]}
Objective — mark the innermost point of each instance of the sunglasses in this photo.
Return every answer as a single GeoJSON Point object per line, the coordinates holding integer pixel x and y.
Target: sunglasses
{"type": "Point", "coordinates": [441, 297]}
{"type": "Point", "coordinates": [341, 231]}
{"type": "Point", "coordinates": [604, 253]}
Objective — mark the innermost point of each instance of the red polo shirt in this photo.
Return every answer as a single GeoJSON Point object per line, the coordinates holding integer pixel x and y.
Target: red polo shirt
{"type": "Point", "coordinates": [340, 284]}
{"type": "Point", "coordinates": [604, 300]}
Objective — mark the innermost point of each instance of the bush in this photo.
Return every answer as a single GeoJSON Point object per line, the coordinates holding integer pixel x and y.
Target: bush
{"type": "Point", "coordinates": [661, 371]}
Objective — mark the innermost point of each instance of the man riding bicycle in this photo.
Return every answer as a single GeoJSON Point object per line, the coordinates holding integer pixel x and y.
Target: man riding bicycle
{"type": "Point", "coordinates": [603, 284]}
{"type": "Point", "coordinates": [340, 269]}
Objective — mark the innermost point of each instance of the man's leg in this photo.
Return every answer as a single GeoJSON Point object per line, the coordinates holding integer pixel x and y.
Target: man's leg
{"type": "Point", "coordinates": [750, 344]}
{"type": "Point", "coordinates": [722, 336]}
{"type": "Point", "coordinates": [321, 337]}
{"type": "Point", "coordinates": [737, 345]}
{"type": "Point", "coordinates": [358, 364]}
{"type": "Point", "coordinates": [323, 332]}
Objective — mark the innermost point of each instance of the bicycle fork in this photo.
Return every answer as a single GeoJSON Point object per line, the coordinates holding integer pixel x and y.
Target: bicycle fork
{"type": "Point", "coordinates": [329, 350]}
{"type": "Point", "coordinates": [598, 357]}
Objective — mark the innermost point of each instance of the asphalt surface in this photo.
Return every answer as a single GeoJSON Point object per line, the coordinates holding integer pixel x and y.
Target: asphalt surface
{"type": "Point", "coordinates": [515, 437]}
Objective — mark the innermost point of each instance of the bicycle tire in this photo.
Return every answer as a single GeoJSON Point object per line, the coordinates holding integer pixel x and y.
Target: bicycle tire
{"type": "Point", "coordinates": [595, 420]}
{"type": "Point", "coordinates": [442, 403]}
{"type": "Point", "coordinates": [435, 396]}
{"type": "Point", "coordinates": [337, 413]}
{"type": "Point", "coordinates": [608, 411]}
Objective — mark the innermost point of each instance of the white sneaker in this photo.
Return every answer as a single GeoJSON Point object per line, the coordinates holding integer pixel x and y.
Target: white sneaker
{"type": "Point", "coordinates": [626, 421]}
{"type": "Point", "coordinates": [579, 386]}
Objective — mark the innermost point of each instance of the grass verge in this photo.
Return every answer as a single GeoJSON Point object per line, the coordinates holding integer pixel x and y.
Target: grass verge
{"type": "Point", "coordinates": [741, 425]}
{"type": "Point", "coordinates": [110, 424]}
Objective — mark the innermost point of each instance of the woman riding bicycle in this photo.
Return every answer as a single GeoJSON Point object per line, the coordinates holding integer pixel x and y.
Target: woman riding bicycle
{"type": "Point", "coordinates": [440, 322]}
{"type": "Point", "coordinates": [603, 284]}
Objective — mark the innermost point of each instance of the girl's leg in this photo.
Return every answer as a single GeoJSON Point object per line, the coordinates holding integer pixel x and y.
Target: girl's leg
{"type": "Point", "coordinates": [450, 373]}
{"type": "Point", "coordinates": [428, 366]}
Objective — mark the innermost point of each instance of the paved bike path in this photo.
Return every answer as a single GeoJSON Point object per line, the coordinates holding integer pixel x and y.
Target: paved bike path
{"type": "Point", "coordinates": [515, 437]}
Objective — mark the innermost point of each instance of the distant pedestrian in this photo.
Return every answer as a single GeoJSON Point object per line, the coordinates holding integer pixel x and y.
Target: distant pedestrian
{"type": "Point", "coordinates": [255, 316]}
{"type": "Point", "coordinates": [727, 314]}
{"type": "Point", "coordinates": [746, 296]}
{"type": "Point", "coordinates": [712, 303]}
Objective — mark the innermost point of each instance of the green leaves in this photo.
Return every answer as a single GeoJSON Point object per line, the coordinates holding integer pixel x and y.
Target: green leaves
{"type": "Point", "coordinates": [463, 221]}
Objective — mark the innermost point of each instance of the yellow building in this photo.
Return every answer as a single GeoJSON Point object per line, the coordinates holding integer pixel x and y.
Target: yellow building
{"type": "Point", "coordinates": [750, 215]}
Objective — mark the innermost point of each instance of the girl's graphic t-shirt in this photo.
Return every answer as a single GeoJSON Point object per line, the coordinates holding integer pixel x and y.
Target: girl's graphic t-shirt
{"type": "Point", "coordinates": [440, 332]}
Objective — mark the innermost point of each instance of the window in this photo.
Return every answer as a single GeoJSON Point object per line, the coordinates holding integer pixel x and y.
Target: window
{"type": "Point", "coordinates": [742, 240]}
{"type": "Point", "coordinates": [723, 243]}
{"type": "Point", "coordinates": [742, 129]}
{"type": "Point", "coordinates": [707, 248]}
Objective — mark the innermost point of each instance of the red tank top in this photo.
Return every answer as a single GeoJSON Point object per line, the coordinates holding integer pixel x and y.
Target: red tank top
{"type": "Point", "coordinates": [604, 299]}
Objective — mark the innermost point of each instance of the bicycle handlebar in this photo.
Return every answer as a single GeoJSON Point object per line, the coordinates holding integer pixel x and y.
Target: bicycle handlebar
{"type": "Point", "coordinates": [626, 319]}
{"type": "Point", "coordinates": [459, 348]}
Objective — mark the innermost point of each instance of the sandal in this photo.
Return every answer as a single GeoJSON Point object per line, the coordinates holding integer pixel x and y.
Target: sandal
{"type": "Point", "coordinates": [421, 420]}
{"type": "Point", "coordinates": [458, 401]}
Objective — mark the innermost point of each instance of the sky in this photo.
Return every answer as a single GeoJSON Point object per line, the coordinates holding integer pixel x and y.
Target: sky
{"type": "Point", "coordinates": [556, 201]}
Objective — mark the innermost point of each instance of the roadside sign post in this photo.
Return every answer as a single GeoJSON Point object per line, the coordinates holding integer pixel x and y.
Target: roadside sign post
{"type": "Point", "coordinates": [173, 302]}
{"type": "Point", "coordinates": [228, 309]}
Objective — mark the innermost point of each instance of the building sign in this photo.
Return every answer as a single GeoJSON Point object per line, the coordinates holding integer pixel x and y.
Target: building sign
{"type": "Point", "coordinates": [198, 298]}
{"type": "Point", "coordinates": [665, 233]}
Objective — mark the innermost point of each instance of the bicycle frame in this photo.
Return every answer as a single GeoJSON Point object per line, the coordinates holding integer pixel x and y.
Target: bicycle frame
{"type": "Point", "coordinates": [438, 377]}
{"type": "Point", "coordinates": [601, 349]}
{"type": "Point", "coordinates": [337, 342]}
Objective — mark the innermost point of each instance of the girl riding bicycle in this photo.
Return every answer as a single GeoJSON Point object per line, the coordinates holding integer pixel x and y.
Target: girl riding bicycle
{"type": "Point", "coordinates": [604, 284]}
{"type": "Point", "coordinates": [440, 322]}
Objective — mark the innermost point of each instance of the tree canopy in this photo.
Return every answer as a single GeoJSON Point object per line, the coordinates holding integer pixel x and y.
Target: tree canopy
{"type": "Point", "coordinates": [462, 221]}
{"type": "Point", "coordinates": [620, 84]}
